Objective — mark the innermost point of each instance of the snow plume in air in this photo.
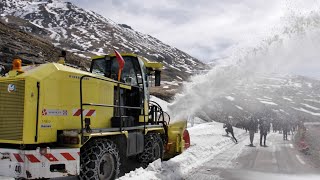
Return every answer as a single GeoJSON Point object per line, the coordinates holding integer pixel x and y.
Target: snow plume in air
{"type": "Point", "coordinates": [291, 49]}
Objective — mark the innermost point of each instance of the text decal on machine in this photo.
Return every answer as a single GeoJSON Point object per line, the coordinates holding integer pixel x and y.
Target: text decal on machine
{"type": "Point", "coordinates": [54, 112]}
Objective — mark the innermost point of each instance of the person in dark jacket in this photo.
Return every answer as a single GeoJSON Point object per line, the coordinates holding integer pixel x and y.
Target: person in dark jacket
{"type": "Point", "coordinates": [285, 129]}
{"type": "Point", "coordinates": [263, 132]}
{"type": "Point", "coordinates": [229, 129]}
{"type": "Point", "coordinates": [252, 127]}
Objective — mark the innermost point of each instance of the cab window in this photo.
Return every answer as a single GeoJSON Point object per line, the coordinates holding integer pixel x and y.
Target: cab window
{"type": "Point", "coordinates": [131, 73]}
{"type": "Point", "coordinates": [99, 66]}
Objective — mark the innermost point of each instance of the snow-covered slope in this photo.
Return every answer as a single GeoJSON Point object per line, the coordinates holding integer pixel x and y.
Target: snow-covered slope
{"type": "Point", "coordinates": [272, 97]}
{"type": "Point", "coordinates": [287, 96]}
{"type": "Point", "coordinates": [83, 31]}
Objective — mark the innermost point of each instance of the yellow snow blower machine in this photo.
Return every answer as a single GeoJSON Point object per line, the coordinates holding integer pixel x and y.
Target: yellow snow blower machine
{"type": "Point", "coordinates": [57, 120]}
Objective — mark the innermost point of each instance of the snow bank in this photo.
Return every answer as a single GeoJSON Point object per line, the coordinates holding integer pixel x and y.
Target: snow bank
{"type": "Point", "coordinates": [206, 142]}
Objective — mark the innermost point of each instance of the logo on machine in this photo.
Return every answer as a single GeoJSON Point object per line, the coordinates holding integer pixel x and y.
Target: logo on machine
{"type": "Point", "coordinates": [11, 88]}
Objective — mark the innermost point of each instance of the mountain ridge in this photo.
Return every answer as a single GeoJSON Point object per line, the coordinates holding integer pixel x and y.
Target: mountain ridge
{"type": "Point", "coordinates": [87, 33]}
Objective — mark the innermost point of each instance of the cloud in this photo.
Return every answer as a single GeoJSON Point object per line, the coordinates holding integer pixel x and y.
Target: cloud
{"type": "Point", "coordinates": [194, 25]}
{"type": "Point", "coordinates": [206, 29]}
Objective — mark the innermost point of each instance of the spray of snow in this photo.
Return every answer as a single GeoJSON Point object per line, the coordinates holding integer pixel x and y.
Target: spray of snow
{"type": "Point", "coordinates": [290, 49]}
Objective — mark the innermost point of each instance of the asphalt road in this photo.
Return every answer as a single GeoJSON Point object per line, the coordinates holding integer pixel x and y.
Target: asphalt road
{"type": "Point", "coordinates": [280, 160]}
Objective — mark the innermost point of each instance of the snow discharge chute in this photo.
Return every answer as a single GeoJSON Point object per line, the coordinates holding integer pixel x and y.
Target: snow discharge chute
{"type": "Point", "coordinates": [121, 63]}
{"type": "Point", "coordinates": [186, 138]}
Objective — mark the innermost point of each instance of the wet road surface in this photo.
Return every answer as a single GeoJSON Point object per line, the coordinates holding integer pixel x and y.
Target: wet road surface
{"type": "Point", "coordinates": [279, 160]}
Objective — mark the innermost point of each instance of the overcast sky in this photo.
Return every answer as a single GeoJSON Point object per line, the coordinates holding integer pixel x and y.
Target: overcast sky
{"type": "Point", "coordinates": [206, 29]}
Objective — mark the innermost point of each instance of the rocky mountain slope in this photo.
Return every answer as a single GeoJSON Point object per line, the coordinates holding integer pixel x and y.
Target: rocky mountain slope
{"type": "Point", "coordinates": [87, 33]}
{"type": "Point", "coordinates": [30, 48]}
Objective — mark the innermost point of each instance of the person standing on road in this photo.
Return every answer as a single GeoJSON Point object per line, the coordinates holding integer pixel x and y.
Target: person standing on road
{"type": "Point", "coordinates": [252, 129]}
{"type": "Point", "coordinates": [229, 129]}
{"type": "Point", "coordinates": [285, 129]}
{"type": "Point", "coordinates": [263, 132]}
{"type": "Point", "coordinates": [246, 126]}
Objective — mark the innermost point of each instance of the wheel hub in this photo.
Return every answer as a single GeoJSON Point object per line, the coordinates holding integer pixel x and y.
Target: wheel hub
{"type": "Point", "coordinates": [156, 151]}
{"type": "Point", "coordinates": [106, 167]}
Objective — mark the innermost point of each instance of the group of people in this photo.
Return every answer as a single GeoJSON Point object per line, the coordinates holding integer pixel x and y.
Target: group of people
{"type": "Point", "coordinates": [264, 128]}
{"type": "Point", "coordinates": [253, 125]}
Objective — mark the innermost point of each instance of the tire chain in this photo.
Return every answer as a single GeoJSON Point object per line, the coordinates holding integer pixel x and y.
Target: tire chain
{"type": "Point", "coordinates": [146, 156]}
{"type": "Point", "coordinates": [90, 159]}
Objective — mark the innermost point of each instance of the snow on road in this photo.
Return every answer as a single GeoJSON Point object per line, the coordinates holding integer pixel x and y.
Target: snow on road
{"type": "Point", "coordinates": [207, 141]}
{"type": "Point", "coordinates": [278, 161]}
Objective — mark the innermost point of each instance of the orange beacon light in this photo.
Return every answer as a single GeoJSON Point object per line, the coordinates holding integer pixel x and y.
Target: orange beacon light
{"type": "Point", "coordinates": [16, 65]}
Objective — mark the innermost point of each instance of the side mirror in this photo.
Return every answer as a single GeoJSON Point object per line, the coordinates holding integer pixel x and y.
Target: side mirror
{"type": "Point", "coordinates": [157, 75]}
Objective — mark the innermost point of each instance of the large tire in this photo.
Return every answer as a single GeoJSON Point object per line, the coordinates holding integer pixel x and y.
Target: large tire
{"type": "Point", "coordinates": [99, 160]}
{"type": "Point", "coordinates": [153, 149]}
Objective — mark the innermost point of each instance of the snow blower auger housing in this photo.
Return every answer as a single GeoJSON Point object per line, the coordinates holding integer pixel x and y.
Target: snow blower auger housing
{"type": "Point", "coordinates": [58, 121]}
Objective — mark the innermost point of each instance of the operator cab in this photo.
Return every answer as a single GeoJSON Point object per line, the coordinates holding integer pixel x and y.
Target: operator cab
{"type": "Point", "coordinates": [135, 70]}
{"type": "Point", "coordinates": [136, 73]}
